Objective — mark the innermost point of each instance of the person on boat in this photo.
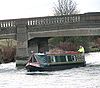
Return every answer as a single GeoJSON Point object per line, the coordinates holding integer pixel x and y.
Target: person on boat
{"type": "Point", "coordinates": [81, 49]}
{"type": "Point", "coordinates": [42, 50]}
{"type": "Point", "coordinates": [32, 52]}
{"type": "Point", "coordinates": [32, 58]}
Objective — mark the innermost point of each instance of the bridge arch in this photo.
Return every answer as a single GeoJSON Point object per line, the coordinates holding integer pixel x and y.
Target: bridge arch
{"type": "Point", "coordinates": [38, 43]}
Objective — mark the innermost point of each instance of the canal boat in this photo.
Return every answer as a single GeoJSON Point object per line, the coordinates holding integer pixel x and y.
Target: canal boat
{"type": "Point", "coordinates": [55, 61]}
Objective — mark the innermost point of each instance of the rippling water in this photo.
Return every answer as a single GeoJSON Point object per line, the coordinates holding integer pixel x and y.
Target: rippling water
{"type": "Point", "coordinates": [83, 77]}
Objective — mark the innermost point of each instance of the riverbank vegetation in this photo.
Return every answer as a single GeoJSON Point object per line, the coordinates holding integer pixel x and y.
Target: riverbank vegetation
{"type": "Point", "coordinates": [72, 43]}
{"type": "Point", "coordinates": [7, 50]}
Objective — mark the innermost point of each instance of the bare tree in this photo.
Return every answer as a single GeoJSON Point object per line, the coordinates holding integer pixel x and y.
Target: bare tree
{"type": "Point", "coordinates": [65, 7]}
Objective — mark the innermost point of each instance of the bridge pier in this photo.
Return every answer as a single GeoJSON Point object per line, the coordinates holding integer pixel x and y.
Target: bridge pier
{"type": "Point", "coordinates": [22, 44]}
{"type": "Point", "coordinates": [24, 47]}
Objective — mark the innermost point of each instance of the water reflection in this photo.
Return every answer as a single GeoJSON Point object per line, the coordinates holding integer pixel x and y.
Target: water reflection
{"type": "Point", "coordinates": [38, 73]}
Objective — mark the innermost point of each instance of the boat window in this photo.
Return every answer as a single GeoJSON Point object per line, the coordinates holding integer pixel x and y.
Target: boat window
{"type": "Point", "coordinates": [63, 58]}
{"type": "Point", "coordinates": [51, 59]}
{"type": "Point", "coordinates": [42, 58]}
{"type": "Point", "coordinates": [71, 58]}
{"type": "Point", "coordinates": [66, 58]}
{"type": "Point", "coordinates": [60, 58]}
{"type": "Point", "coordinates": [33, 59]}
{"type": "Point", "coordinates": [56, 59]}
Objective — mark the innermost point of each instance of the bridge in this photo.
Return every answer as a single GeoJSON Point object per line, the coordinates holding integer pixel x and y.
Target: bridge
{"type": "Point", "coordinates": [32, 33]}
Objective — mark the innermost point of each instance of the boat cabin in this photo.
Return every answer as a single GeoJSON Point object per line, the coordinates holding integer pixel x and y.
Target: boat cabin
{"type": "Point", "coordinates": [57, 58]}
{"type": "Point", "coordinates": [55, 61]}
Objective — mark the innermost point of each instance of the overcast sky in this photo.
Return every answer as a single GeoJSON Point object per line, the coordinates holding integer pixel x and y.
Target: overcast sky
{"type": "Point", "coordinates": [12, 9]}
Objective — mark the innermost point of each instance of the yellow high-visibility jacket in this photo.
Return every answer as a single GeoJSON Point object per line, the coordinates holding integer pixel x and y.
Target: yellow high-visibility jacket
{"type": "Point", "coordinates": [81, 50]}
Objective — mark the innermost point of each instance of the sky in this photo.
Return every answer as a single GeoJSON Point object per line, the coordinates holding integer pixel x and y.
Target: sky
{"type": "Point", "coordinates": [13, 9]}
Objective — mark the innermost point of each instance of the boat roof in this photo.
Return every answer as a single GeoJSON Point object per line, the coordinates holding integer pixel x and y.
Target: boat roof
{"type": "Point", "coordinates": [40, 54]}
{"type": "Point", "coordinates": [59, 53]}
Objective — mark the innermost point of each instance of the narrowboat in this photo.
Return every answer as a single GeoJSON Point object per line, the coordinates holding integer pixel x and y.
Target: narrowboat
{"type": "Point", "coordinates": [55, 61]}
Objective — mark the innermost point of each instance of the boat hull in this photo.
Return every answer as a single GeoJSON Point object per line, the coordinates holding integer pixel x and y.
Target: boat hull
{"type": "Point", "coordinates": [55, 67]}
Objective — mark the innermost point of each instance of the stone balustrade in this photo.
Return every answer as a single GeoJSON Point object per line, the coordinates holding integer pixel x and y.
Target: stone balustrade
{"type": "Point", "coordinates": [82, 20]}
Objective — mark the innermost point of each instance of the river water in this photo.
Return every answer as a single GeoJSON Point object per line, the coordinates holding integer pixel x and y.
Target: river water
{"type": "Point", "coordinates": [82, 77]}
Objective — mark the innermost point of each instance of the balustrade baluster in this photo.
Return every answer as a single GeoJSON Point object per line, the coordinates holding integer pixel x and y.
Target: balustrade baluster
{"type": "Point", "coordinates": [1, 24]}
{"type": "Point", "coordinates": [31, 22]}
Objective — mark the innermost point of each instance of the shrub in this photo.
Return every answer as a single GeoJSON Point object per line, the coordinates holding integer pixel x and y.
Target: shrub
{"type": "Point", "coordinates": [8, 54]}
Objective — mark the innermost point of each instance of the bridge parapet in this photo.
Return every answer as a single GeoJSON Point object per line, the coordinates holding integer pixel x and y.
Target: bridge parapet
{"type": "Point", "coordinates": [86, 20]}
{"type": "Point", "coordinates": [54, 20]}
{"type": "Point", "coordinates": [7, 26]}
{"type": "Point", "coordinates": [7, 23]}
